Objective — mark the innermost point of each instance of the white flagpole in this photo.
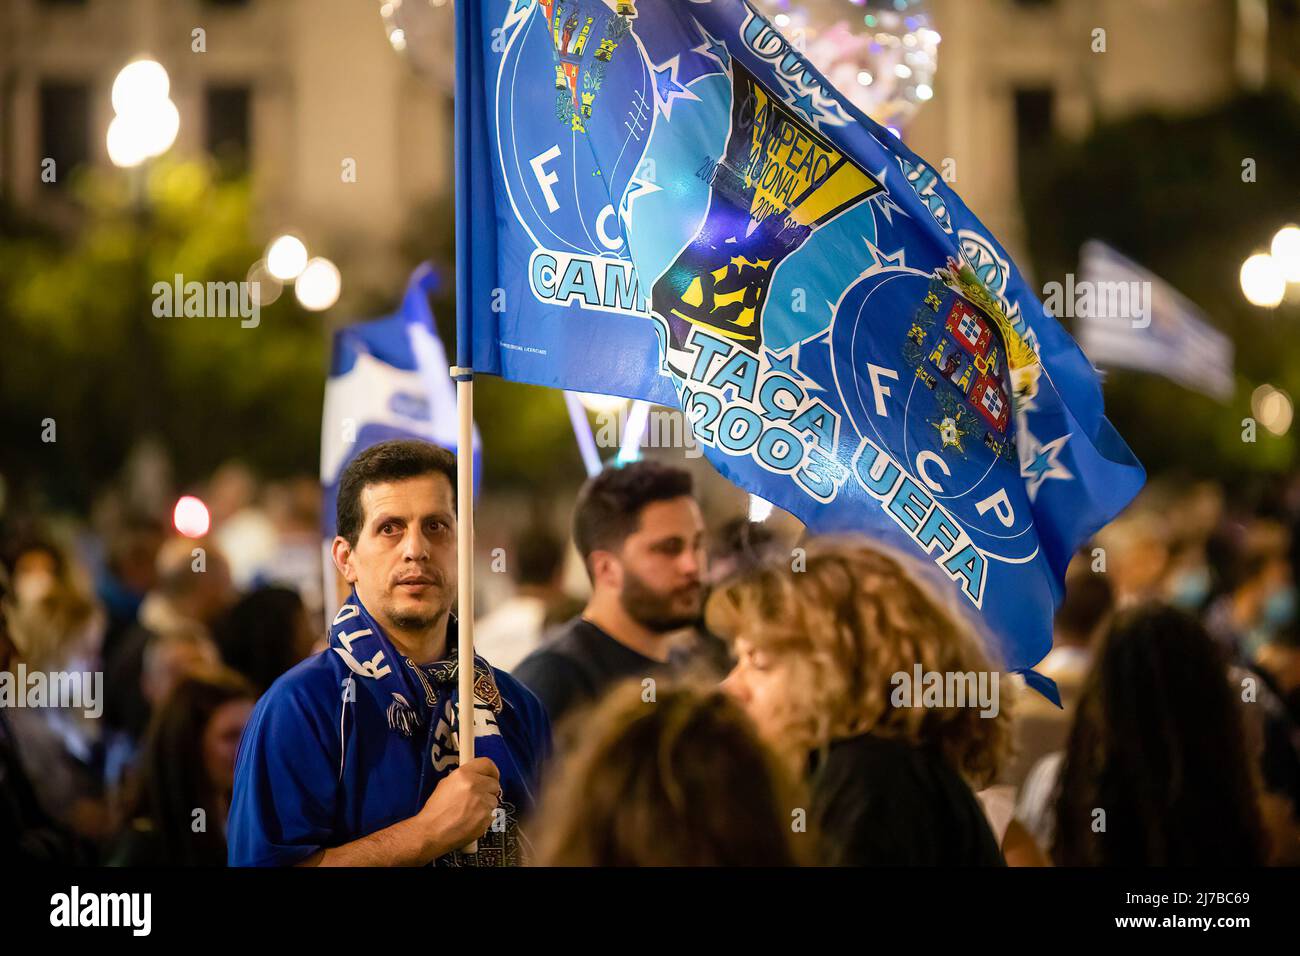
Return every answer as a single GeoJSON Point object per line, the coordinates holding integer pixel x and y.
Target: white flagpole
{"type": "Point", "coordinates": [633, 429]}
{"type": "Point", "coordinates": [463, 374]}
{"type": "Point", "coordinates": [582, 432]}
{"type": "Point", "coordinates": [465, 564]}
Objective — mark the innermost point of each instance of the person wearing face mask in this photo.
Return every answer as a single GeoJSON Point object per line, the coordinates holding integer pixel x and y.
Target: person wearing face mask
{"type": "Point", "coordinates": [1188, 579]}
{"type": "Point", "coordinates": [1257, 593]}
{"type": "Point", "coordinates": [1188, 587]}
{"type": "Point", "coordinates": [641, 536]}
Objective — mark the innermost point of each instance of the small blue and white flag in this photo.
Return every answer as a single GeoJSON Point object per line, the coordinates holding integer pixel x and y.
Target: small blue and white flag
{"type": "Point", "coordinates": [1161, 331]}
{"type": "Point", "coordinates": [389, 378]}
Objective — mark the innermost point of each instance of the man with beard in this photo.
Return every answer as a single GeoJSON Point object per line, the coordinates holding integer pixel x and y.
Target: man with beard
{"type": "Point", "coordinates": [352, 757]}
{"type": "Point", "coordinates": [641, 537]}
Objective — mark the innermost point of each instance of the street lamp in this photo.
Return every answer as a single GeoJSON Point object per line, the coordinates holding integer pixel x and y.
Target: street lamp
{"type": "Point", "coordinates": [147, 121]}
{"type": "Point", "coordinates": [1265, 276]}
{"type": "Point", "coordinates": [286, 257]}
{"type": "Point", "coordinates": [1272, 408]}
{"type": "Point", "coordinates": [1262, 281]}
{"type": "Point", "coordinates": [318, 285]}
{"type": "Point", "coordinates": [1286, 252]}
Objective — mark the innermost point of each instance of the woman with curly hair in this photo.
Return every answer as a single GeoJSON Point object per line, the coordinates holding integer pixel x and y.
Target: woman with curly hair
{"type": "Point", "coordinates": [819, 652]}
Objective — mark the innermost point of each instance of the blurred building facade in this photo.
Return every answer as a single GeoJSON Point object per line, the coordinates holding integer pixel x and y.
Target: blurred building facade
{"type": "Point", "coordinates": [296, 88]}
{"type": "Point", "coordinates": [1014, 73]}
{"type": "Point", "coordinates": [290, 89]}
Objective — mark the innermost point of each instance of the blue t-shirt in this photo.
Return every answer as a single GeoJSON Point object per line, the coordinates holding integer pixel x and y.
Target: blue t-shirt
{"type": "Point", "coordinates": [355, 739]}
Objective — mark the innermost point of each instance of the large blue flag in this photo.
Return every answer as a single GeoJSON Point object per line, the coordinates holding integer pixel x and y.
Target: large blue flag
{"type": "Point", "coordinates": [389, 378]}
{"type": "Point", "coordinates": [663, 200]}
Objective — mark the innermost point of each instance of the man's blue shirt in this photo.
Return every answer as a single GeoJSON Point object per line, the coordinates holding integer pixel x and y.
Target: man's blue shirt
{"type": "Point", "coordinates": [349, 742]}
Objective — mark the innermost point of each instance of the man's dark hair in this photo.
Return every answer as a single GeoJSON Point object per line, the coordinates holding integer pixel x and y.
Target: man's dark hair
{"type": "Point", "coordinates": [540, 555]}
{"type": "Point", "coordinates": [394, 460]}
{"type": "Point", "coordinates": [745, 542]}
{"type": "Point", "coordinates": [609, 505]}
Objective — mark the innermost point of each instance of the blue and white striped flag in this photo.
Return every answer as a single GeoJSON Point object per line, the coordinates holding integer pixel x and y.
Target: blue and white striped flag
{"type": "Point", "coordinates": [389, 378]}
{"type": "Point", "coordinates": [1161, 331]}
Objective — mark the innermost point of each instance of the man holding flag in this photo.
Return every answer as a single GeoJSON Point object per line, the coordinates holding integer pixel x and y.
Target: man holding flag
{"type": "Point", "coordinates": [353, 756]}
{"type": "Point", "coordinates": [681, 209]}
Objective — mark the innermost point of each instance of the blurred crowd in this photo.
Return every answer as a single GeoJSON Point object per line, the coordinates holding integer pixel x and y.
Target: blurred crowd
{"type": "Point", "coordinates": [730, 703]}
{"type": "Point", "coordinates": [184, 634]}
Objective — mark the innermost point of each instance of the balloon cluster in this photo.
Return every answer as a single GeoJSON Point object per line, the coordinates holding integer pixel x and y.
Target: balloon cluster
{"type": "Point", "coordinates": [420, 32]}
{"type": "Point", "coordinates": [880, 54]}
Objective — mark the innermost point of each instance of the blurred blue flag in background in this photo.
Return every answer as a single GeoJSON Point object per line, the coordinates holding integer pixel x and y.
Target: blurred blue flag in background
{"type": "Point", "coordinates": [1131, 318]}
{"type": "Point", "coordinates": [389, 378]}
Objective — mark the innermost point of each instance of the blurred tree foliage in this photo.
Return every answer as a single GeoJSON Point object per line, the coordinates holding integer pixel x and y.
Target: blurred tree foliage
{"type": "Point", "coordinates": [1169, 193]}
{"type": "Point", "coordinates": [82, 346]}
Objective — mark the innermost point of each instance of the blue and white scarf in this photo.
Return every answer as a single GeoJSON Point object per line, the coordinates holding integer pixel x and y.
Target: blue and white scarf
{"type": "Point", "coordinates": [422, 703]}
